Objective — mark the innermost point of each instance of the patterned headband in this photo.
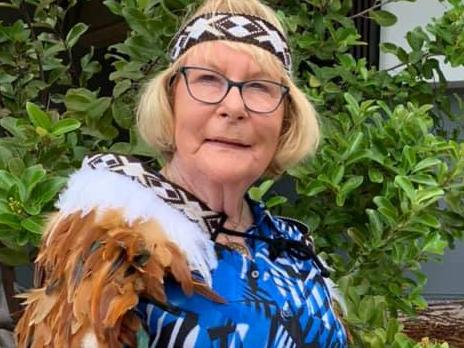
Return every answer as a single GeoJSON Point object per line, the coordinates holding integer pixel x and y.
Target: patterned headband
{"type": "Point", "coordinates": [235, 27]}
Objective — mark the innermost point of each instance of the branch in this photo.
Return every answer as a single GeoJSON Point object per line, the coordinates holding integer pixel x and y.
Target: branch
{"type": "Point", "coordinates": [23, 7]}
{"type": "Point", "coordinates": [60, 32]}
{"type": "Point", "coordinates": [373, 7]}
{"type": "Point", "coordinates": [425, 56]}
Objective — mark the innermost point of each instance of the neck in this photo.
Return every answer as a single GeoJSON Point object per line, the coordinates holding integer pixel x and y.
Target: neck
{"type": "Point", "coordinates": [221, 197]}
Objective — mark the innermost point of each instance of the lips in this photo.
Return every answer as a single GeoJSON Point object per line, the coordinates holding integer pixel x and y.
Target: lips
{"type": "Point", "coordinates": [228, 142]}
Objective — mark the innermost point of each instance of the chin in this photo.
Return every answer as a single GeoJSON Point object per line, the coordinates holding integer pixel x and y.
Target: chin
{"type": "Point", "coordinates": [231, 173]}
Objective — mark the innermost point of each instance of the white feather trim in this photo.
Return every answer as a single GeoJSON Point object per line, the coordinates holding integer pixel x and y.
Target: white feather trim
{"type": "Point", "coordinates": [336, 295]}
{"type": "Point", "coordinates": [334, 291]}
{"type": "Point", "coordinates": [89, 340]}
{"type": "Point", "coordinates": [99, 189]}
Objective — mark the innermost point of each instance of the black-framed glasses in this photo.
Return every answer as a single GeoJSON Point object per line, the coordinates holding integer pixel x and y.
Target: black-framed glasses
{"type": "Point", "coordinates": [211, 87]}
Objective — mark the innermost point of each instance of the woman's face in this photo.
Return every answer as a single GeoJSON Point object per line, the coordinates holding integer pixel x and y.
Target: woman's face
{"type": "Point", "coordinates": [225, 141]}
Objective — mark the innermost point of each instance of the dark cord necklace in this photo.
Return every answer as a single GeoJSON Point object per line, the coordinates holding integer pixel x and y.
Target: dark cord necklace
{"type": "Point", "coordinates": [279, 245]}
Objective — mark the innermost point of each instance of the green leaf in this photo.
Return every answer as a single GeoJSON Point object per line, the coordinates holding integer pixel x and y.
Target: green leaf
{"type": "Point", "coordinates": [416, 39]}
{"type": "Point", "coordinates": [314, 188]}
{"type": "Point", "coordinates": [48, 189]}
{"type": "Point", "coordinates": [114, 6]}
{"type": "Point", "coordinates": [331, 88]}
{"type": "Point", "coordinates": [355, 143]}
{"type": "Point", "coordinates": [257, 193]}
{"type": "Point", "coordinates": [275, 201]}
{"type": "Point", "coordinates": [424, 179]}
{"type": "Point", "coordinates": [356, 236]}
{"type": "Point", "coordinates": [410, 155]}
{"type": "Point", "coordinates": [429, 194]}
{"type": "Point", "coordinates": [33, 224]}
{"type": "Point", "coordinates": [426, 163]}
{"type": "Point", "coordinates": [121, 148]}
{"type": "Point", "coordinates": [383, 18]}
{"type": "Point", "coordinates": [351, 101]}
{"type": "Point", "coordinates": [6, 78]}
{"type": "Point", "coordinates": [13, 125]}
{"type": "Point", "coordinates": [137, 21]}
{"type": "Point", "coordinates": [10, 220]}
{"type": "Point", "coordinates": [340, 199]}
{"type": "Point", "coordinates": [38, 117]}
{"type": "Point", "coordinates": [427, 219]}
{"type": "Point", "coordinates": [375, 175]}
{"type": "Point", "coordinates": [351, 184]}
{"type": "Point", "coordinates": [98, 107]}
{"type": "Point", "coordinates": [366, 308]}
{"type": "Point", "coordinates": [121, 87]}
{"type": "Point", "coordinates": [314, 82]}
{"type": "Point", "coordinates": [375, 223]}
{"type": "Point", "coordinates": [122, 114]}
{"type": "Point", "coordinates": [7, 180]}
{"type": "Point", "coordinates": [393, 327]}
{"type": "Point", "coordinates": [347, 60]}
{"type": "Point", "coordinates": [405, 184]}
{"type": "Point", "coordinates": [75, 33]}
{"type": "Point", "coordinates": [337, 174]}
{"type": "Point", "coordinates": [435, 246]}
{"type": "Point", "coordinates": [79, 99]}
{"type": "Point", "coordinates": [32, 176]}
{"type": "Point", "coordinates": [387, 209]}
{"type": "Point", "coordinates": [16, 166]}
{"type": "Point", "coordinates": [64, 126]}
{"type": "Point", "coordinates": [388, 47]}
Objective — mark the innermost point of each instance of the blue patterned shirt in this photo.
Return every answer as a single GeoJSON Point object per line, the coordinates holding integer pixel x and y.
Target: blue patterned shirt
{"type": "Point", "coordinates": [280, 303]}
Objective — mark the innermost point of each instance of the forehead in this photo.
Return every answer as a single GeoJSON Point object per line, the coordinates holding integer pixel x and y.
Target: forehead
{"type": "Point", "coordinates": [227, 56]}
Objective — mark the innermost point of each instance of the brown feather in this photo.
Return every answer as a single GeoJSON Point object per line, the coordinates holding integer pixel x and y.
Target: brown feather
{"type": "Point", "coordinates": [94, 268]}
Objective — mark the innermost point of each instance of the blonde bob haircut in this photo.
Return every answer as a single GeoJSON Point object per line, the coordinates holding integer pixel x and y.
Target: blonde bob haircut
{"type": "Point", "coordinates": [300, 130]}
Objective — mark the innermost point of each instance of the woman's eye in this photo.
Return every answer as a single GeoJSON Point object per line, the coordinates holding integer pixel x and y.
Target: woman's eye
{"type": "Point", "coordinates": [259, 86]}
{"type": "Point", "coordinates": [208, 78]}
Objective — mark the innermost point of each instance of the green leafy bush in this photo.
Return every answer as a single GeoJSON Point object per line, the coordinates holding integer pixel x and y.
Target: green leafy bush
{"type": "Point", "coordinates": [384, 193]}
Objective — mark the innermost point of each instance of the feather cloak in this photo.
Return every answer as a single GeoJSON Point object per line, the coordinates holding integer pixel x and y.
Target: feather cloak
{"type": "Point", "coordinates": [111, 241]}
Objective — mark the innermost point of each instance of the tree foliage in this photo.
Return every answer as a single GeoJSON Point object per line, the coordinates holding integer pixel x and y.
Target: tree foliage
{"type": "Point", "coordinates": [383, 194]}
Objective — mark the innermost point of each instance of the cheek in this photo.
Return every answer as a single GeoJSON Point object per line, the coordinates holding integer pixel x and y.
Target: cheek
{"type": "Point", "coordinates": [187, 133]}
{"type": "Point", "coordinates": [268, 135]}
{"type": "Point", "coordinates": [271, 129]}
{"type": "Point", "coordinates": [187, 123]}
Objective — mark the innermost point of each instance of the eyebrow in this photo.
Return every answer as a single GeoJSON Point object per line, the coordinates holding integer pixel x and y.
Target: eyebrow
{"type": "Point", "coordinates": [257, 75]}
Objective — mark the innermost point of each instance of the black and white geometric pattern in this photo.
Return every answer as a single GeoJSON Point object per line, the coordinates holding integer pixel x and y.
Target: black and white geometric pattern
{"type": "Point", "coordinates": [172, 194]}
{"type": "Point", "coordinates": [235, 27]}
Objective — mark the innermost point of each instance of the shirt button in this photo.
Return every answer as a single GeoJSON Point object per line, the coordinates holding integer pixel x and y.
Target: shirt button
{"type": "Point", "coordinates": [285, 314]}
{"type": "Point", "coordinates": [255, 274]}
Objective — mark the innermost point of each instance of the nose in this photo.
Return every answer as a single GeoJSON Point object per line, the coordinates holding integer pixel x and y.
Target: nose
{"type": "Point", "coordinates": [233, 105]}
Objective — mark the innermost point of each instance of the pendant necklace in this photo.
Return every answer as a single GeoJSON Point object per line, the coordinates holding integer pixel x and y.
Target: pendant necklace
{"type": "Point", "coordinates": [239, 247]}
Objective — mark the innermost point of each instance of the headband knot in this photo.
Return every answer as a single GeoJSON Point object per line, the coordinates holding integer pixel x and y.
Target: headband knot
{"type": "Point", "coordinates": [234, 27]}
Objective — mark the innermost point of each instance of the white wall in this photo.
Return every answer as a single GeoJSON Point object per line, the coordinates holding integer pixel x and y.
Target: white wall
{"type": "Point", "coordinates": [411, 15]}
{"type": "Point", "coordinates": [446, 278]}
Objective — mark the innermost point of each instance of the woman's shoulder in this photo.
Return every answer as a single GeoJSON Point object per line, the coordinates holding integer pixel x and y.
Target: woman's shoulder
{"type": "Point", "coordinates": [109, 181]}
{"type": "Point", "coordinates": [112, 182]}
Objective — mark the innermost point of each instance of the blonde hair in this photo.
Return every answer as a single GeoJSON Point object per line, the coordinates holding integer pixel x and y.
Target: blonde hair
{"type": "Point", "coordinates": [300, 130]}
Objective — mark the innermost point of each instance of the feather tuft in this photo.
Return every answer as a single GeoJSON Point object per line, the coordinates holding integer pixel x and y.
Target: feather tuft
{"type": "Point", "coordinates": [90, 188]}
{"type": "Point", "coordinates": [95, 266]}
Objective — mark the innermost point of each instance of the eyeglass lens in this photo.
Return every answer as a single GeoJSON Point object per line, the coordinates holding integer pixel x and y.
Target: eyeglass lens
{"type": "Point", "coordinates": [212, 87]}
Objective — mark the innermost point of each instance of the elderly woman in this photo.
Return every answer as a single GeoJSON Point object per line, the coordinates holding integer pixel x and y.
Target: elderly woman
{"type": "Point", "coordinates": [128, 246]}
